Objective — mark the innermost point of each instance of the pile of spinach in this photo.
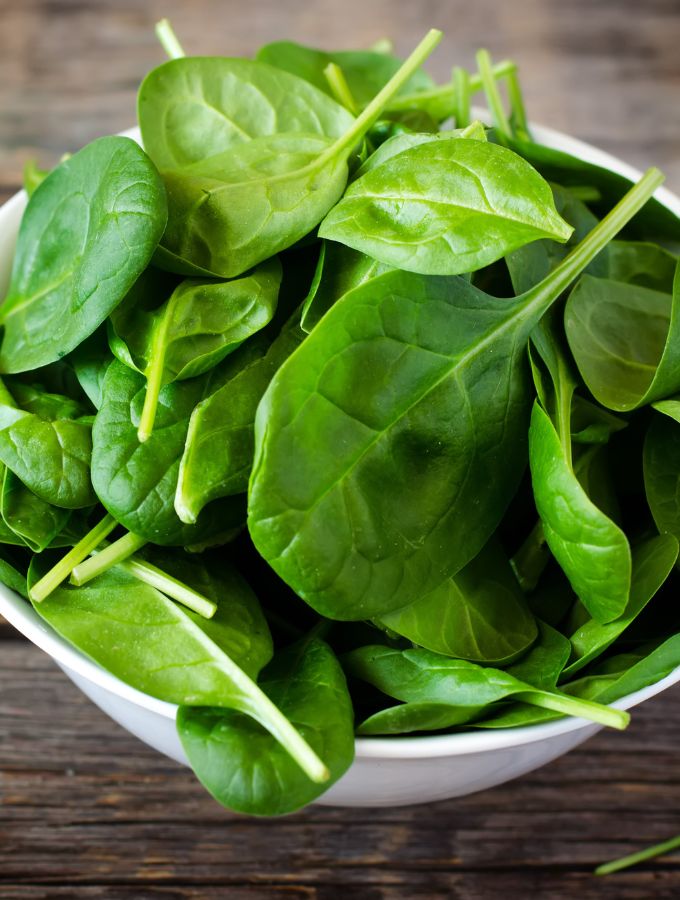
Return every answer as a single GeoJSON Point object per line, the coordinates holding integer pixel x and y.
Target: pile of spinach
{"type": "Point", "coordinates": [400, 390]}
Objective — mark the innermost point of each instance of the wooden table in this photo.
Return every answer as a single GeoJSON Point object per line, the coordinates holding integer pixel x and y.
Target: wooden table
{"type": "Point", "coordinates": [86, 810]}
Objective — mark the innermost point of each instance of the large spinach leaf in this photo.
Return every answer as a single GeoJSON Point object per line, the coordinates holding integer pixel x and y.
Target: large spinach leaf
{"type": "Point", "coordinates": [88, 232]}
{"type": "Point", "coordinates": [395, 489]}
{"type": "Point", "coordinates": [242, 765]}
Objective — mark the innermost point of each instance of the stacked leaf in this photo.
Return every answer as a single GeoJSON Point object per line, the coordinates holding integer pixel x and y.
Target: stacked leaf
{"type": "Point", "coordinates": [399, 390]}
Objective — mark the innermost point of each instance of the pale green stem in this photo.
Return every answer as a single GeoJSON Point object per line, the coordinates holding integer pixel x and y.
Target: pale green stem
{"type": "Point", "coordinates": [168, 39]}
{"type": "Point", "coordinates": [517, 109]}
{"type": "Point", "coordinates": [625, 862]}
{"type": "Point", "coordinates": [154, 383]}
{"type": "Point", "coordinates": [113, 554]}
{"type": "Point", "coordinates": [461, 90]}
{"type": "Point", "coordinates": [446, 91]}
{"type": "Point", "coordinates": [372, 112]}
{"type": "Point", "coordinates": [574, 706]}
{"type": "Point", "coordinates": [171, 587]}
{"type": "Point", "coordinates": [61, 571]}
{"type": "Point", "coordinates": [493, 95]}
{"type": "Point", "coordinates": [339, 87]}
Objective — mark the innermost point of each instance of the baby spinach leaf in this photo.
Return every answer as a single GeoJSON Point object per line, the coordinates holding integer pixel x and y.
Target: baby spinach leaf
{"type": "Point", "coordinates": [231, 210]}
{"type": "Point", "coordinates": [625, 340]}
{"type": "Point", "coordinates": [446, 207]}
{"type": "Point", "coordinates": [395, 489]}
{"type": "Point", "coordinates": [591, 549]}
{"type": "Point", "coordinates": [195, 108]}
{"type": "Point", "coordinates": [653, 560]}
{"type": "Point", "coordinates": [219, 446]}
{"type": "Point", "coordinates": [51, 456]}
{"type": "Point", "coordinates": [135, 481]}
{"type": "Point", "coordinates": [162, 648]}
{"type": "Point", "coordinates": [194, 329]}
{"type": "Point", "coordinates": [366, 71]}
{"type": "Point", "coordinates": [419, 676]}
{"type": "Point", "coordinates": [34, 521]}
{"type": "Point", "coordinates": [88, 231]}
{"type": "Point", "coordinates": [479, 614]}
{"type": "Point", "coordinates": [243, 766]}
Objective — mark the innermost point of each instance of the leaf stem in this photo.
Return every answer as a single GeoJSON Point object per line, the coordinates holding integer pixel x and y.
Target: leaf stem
{"type": "Point", "coordinates": [384, 46]}
{"type": "Point", "coordinates": [168, 39]}
{"type": "Point", "coordinates": [371, 113]}
{"type": "Point", "coordinates": [112, 555]}
{"type": "Point", "coordinates": [574, 706]}
{"type": "Point", "coordinates": [339, 87]}
{"type": "Point", "coordinates": [154, 382]}
{"type": "Point", "coordinates": [518, 115]}
{"type": "Point", "coordinates": [171, 587]}
{"type": "Point", "coordinates": [625, 862]}
{"type": "Point", "coordinates": [460, 79]}
{"type": "Point", "coordinates": [61, 571]}
{"type": "Point", "coordinates": [542, 295]}
{"type": "Point", "coordinates": [446, 91]}
{"type": "Point", "coordinates": [493, 95]}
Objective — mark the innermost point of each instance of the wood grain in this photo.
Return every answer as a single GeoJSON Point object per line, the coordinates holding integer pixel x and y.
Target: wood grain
{"type": "Point", "coordinates": [87, 811]}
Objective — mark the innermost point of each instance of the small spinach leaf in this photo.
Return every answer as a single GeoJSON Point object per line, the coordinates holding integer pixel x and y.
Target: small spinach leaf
{"type": "Point", "coordinates": [193, 330]}
{"type": "Point", "coordinates": [625, 340]}
{"type": "Point", "coordinates": [446, 207]}
{"type": "Point", "coordinates": [653, 561]}
{"type": "Point", "coordinates": [243, 766]}
{"type": "Point", "coordinates": [480, 614]}
{"type": "Point", "coordinates": [87, 233]}
{"type": "Point", "coordinates": [135, 481]}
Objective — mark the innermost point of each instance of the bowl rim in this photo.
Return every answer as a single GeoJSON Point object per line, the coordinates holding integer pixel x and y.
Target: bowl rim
{"type": "Point", "coordinates": [19, 613]}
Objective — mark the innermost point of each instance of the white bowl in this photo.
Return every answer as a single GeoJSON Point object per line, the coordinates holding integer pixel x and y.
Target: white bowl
{"type": "Point", "coordinates": [387, 771]}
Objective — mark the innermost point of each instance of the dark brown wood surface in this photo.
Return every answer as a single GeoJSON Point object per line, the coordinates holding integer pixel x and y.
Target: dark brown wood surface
{"type": "Point", "coordinates": [86, 810]}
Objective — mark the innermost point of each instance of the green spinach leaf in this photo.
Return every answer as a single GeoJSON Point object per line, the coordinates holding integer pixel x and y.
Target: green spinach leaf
{"type": "Point", "coordinates": [395, 489]}
{"type": "Point", "coordinates": [242, 765]}
{"type": "Point", "coordinates": [87, 233]}
{"type": "Point", "coordinates": [446, 207]}
{"type": "Point", "coordinates": [480, 614]}
{"type": "Point", "coordinates": [193, 330]}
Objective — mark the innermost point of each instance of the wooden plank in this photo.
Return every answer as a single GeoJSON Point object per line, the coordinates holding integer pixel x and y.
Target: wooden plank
{"type": "Point", "coordinates": [85, 804]}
